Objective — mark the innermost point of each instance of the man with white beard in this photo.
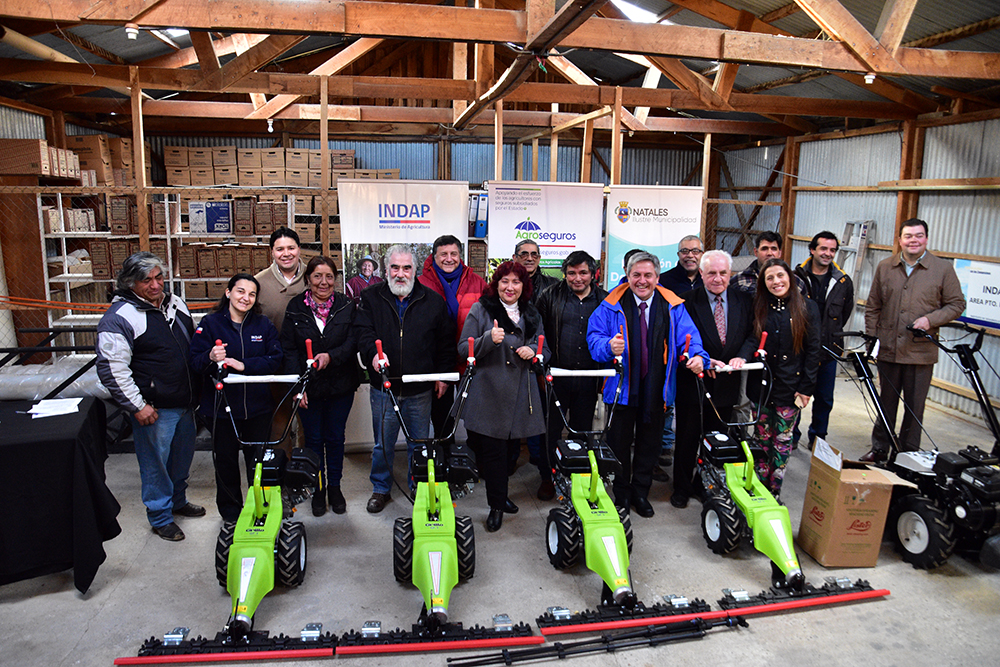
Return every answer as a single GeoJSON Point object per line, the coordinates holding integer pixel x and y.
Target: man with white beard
{"type": "Point", "coordinates": [418, 336]}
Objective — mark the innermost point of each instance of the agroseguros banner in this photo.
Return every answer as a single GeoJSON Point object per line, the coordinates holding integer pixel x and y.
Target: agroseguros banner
{"type": "Point", "coordinates": [559, 217]}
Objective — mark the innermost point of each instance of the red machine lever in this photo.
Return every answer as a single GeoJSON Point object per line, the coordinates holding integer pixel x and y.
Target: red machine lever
{"type": "Point", "coordinates": [760, 348]}
{"type": "Point", "coordinates": [309, 348]}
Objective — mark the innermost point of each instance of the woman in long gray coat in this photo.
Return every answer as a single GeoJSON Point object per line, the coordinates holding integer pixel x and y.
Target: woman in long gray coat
{"type": "Point", "coordinates": [504, 403]}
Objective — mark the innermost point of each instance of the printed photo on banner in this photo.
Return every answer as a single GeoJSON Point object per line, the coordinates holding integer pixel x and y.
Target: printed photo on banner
{"type": "Point", "coordinates": [375, 215]}
{"type": "Point", "coordinates": [981, 286]}
{"type": "Point", "coordinates": [558, 217]}
{"type": "Point", "coordinates": [653, 218]}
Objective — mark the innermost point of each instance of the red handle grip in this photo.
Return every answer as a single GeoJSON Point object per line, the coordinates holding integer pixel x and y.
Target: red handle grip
{"type": "Point", "coordinates": [541, 342]}
{"type": "Point", "coordinates": [472, 342]}
{"type": "Point", "coordinates": [687, 343]}
{"type": "Point", "coordinates": [378, 347]}
{"type": "Point", "coordinates": [760, 348]}
{"type": "Point", "coordinates": [218, 341]}
{"type": "Point", "coordinates": [309, 348]}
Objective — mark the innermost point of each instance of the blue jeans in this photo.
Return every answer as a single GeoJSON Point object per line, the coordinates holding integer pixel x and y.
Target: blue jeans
{"type": "Point", "coordinates": [324, 423]}
{"type": "Point", "coordinates": [164, 449]}
{"type": "Point", "coordinates": [822, 401]}
{"type": "Point", "coordinates": [416, 413]}
{"type": "Point", "coordinates": [668, 431]}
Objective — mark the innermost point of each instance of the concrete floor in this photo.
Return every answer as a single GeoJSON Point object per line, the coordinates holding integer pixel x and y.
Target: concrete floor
{"type": "Point", "coordinates": [149, 586]}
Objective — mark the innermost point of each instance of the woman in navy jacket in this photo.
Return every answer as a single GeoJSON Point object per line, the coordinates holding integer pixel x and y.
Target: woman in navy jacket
{"type": "Point", "coordinates": [324, 316]}
{"type": "Point", "coordinates": [250, 346]}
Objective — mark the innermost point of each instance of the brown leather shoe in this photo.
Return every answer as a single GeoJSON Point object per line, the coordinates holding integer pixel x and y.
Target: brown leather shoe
{"type": "Point", "coordinates": [377, 502]}
{"type": "Point", "coordinates": [190, 510]}
{"type": "Point", "coordinates": [170, 532]}
{"type": "Point", "coordinates": [874, 456]}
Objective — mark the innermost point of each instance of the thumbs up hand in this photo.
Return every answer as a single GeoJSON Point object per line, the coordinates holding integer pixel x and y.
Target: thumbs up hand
{"type": "Point", "coordinates": [617, 344]}
{"type": "Point", "coordinates": [497, 333]}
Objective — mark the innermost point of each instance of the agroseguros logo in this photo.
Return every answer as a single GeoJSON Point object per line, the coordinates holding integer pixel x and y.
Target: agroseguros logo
{"type": "Point", "coordinates": [532, 231]}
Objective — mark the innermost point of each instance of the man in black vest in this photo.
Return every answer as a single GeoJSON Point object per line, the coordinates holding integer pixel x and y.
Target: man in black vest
{"type": "Point", "coordinates": [724, 317]}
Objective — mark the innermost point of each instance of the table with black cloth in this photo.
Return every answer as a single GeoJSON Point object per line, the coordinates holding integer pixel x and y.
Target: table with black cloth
{"type": "Point", "coordinates": [58, 511]}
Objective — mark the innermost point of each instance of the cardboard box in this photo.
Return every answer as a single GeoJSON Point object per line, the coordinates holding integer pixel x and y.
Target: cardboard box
{"type": "Point", "coordinates": [200, 157]}
{"type": "Point", "coordinates": [280, 214]}
{"type": "Point", "coordinates": [845, 509]}
{"type": "Point", "coordinates": [64, 164]}
{"type": "Point", "coordinates": [248, 158]}
{"type": "Point", "coordinates": [342, 159]}
{"type": "Point", "coordinates": [369, 174]}
{"type": "Point", "coordinates": [175, 156]}
{"type": "Point", "coordinates": [216, 288]}
{"type": "Point", "coordinates": [207, 267]}
{"type": "Point", "coordinates": [225, 259]}
{"type": "Point", "coordinates": [272, 158]}
{"type": "Point", "coordinates": [210, 217]}
{"type": "Point", "coordinates": [243, 215]}
{"type": "Point", "coordinates": [244, 258]}
{"type": "Point", "coordinates": [303, 204]}
{"type": "Point", "coordinates": [306, 232]}
{"type": "Point", "coordinates": [261, 258]}
{"type": "Point", "coordinates": [315, 179]}
{"type": "Point", "coordinates": [388, 173]}
{"type": "Point", "coordinates": [202, 177]}
{"type": "Point", "coordinates": [315, 159]}
{"type": "Point", "coordinates": [24, 156]}
{"type": "Point", "coordinates": [187, 261]}
{"type": "Point", "coordinates": [121, 152]}
{"type": "Point", "coordinates": [227, 176]}
{"type": "Point", "coordinates": [298, 179]}
{"type": "Point", "coordinates": [224, 156]}
{"type": "Point", "coordinates": [196, 290]}
{"type": "Point", "coordinates": [297, 159]}
{"type": "Point", "coordinates": [94, 154]}
{"type": "Point", "coordinates": [271, 177]}
{"type": "Point", "coordinates": [250, 177]}
{"type": "Point", "coordinates": [335, 233]}
{"type": "Point", "coordinates": [100, 258]}
{"type": "Point", "coordinates": [342, 173]}
{"type": "Point", "coordinates": [159, 248]}
{"type": "Point", "coordinates": [179, 176]}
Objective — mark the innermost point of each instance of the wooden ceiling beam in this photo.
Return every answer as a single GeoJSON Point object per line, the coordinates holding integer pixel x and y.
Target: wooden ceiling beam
{"type": "Point", "coordinates": [208, 60]}
{"type": "Point", "coordinates": [892, 23]}
{"type": "Point", "coordinates": [840, 24]}
{"type": "Point", "coordinates": [963, 32]}
{"type": "Point", "coordinates": [579, 77]}
{"type": "Point", "coordinates": [87, 45]}
{"type": "Point", "coordinates": [248, 61]}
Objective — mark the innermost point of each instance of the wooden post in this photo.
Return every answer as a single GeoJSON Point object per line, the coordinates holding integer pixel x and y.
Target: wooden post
{"type": "Point", "coordinates": [786, 224]}
{"type": "Point", "coordinates": [554, 158]}
{"type": "Point", "coordinates": [459, 72]}
{"type": "Point", "coordinates": [324, 149]}
{"type": "Point", "coordinates": [534, 159]}
{"type": "Point", "coordinates": [706, 177]}
{"type": "Point", "coordinates": [588, 148]}
{"type": "Point", "coordinates": [139, 160]}
{"type": "Point", "coordinates": [617, 140]}
{"type": "Point", "coordinates": [519, 161]}
{"type": "Point", "coordinates": [910, 166]}
{"type": "Point", "coordinates": [498, 141]}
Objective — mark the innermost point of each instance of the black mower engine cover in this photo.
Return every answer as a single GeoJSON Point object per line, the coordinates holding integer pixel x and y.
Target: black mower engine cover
{"type": "Point", "coordinates": [719, 448]}
{"type": "Point", "coordinates": [984, 481]}
{"type": "Point", "coordinates": [273, 463]}
{"type": "Point", "coordinates": [452, 464]}
{"type": "Point", "coordinates": [571, 456]}
{"type": "Point", "coordinates": [303, 470]}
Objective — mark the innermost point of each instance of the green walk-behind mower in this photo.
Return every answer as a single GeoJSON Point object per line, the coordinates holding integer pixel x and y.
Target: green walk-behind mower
{"type": "Point", "coordinates": [587, 521]}
{"type": "Point", "coordinates": [263, 546]}
{"type": "Point", "coordinates": [433, 548]}
{"type": "Point", "coordinates": [956, 502]}
{"type": "Point", "coordinates": [737, 502]}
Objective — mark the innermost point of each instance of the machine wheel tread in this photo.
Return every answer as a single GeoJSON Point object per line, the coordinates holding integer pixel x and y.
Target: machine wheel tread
{"type": "Point", "coordinates": [222, 547]}
{"type": "Point", "coordinates": [722, 524]}
{"type": "Point", "coordinates": [290, 556]}
{"type": "Point", "coordinates": [465, 540]}
{"type": "Point", "coordinates": [564, 538]}
{"type": "Point", "coordinates": [402, 549]}
{"type": "Point", "coordinates": [921, 532]}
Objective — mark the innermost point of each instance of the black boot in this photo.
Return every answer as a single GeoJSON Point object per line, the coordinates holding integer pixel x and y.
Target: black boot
{"type": "Point", "coordinates": [319, 503]}
{"type": "Point", "coordinates": [337, 502]}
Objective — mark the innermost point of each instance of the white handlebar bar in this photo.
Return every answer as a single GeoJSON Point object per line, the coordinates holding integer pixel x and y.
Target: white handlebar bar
{"type": "Point", "coordinates": [565, 372]}
{"type": "Point", "coordinates": [752, 366]}
{"type": "Point", "coordinates": [431, 377]}
{"type": "Point", "coordinates": [235, 378]}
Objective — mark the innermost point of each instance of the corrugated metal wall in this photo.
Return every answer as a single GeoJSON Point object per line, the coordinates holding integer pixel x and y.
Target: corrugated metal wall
{"type": "Point", "coordinates": [750, 168]}
{"type": "Point", "coordinates": [963, 222]}
{"type": "Point", "coordinates": [73, 130]}
{"type": "Point", "coordinates": [17, 124]}
{"type": "Point", "coordinates": [966, 222]}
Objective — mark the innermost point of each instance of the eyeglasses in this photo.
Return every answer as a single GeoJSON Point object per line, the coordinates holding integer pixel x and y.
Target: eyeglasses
{"type": "Point", "coordinates": [690, 251]}
{"type": "Point", "coordinates": [524, 254]}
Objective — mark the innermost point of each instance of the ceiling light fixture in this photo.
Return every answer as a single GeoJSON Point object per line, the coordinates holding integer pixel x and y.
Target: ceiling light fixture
{"type": "Point", "coordinates": [270, 125]}
{"type": "Point", "coordinates": [870, 78]}
{"type": "Point", "coordinates": [131, 31]}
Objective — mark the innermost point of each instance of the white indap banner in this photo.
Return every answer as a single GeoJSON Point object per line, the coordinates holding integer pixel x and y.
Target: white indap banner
{"type": "Point", "coordinates": [981, 285]}
{"type": "Point", "coordinates": [391, 211]}
{"type": "Point", "coordinates": [559, 217]}
{"type": "Point", "coordinates": [650, 217]}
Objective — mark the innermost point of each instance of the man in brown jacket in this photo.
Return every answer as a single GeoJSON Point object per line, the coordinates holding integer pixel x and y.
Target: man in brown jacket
{"type": "Point", "coordinates": [915, 288]}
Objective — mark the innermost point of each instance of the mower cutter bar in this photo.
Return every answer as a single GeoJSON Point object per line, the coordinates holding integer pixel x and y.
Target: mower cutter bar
{"type": "Point", "coordinates": [616, 613]}
{"type": "Point", "coordinates": [772, 596]}
{"type": "Point", "coordinates": [259, 646]}
{"type": "Point", "coordinates": [451, 638]}
{"type": "Point", "coordinates": [765, 608]}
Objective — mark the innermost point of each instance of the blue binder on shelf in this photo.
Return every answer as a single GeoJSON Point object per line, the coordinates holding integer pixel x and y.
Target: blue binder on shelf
{"type": "Point", "coordinates": [482, 222]}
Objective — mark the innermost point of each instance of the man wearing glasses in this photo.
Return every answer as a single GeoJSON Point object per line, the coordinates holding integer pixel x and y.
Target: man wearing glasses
{"type": "Point", "coordinates": [685, 275]}
{"type": "Point", "coordinates": [528, 255]}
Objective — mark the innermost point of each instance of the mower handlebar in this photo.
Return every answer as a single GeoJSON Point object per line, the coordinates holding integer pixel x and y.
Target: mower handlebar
{"type": "Point", "coordinates": [235, 378]}
{"type": "Point", "coordinates": [595, 372]}
{"type": "Point", "coordinates": [431, 377]}
{"type": "Point", "coordinates": [752, 366]}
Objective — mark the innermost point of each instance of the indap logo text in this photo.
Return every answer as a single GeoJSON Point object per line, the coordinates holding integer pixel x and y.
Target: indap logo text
{"type": "Point", "coordinates": [859, 526]}
{"type": "Point", "coordinates": [404, 213]}
{"type": "Point", "coordinates": [816, 514]}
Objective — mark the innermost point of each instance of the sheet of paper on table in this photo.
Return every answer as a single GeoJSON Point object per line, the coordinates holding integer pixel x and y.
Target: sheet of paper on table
{"type": "Point", "coordinates": [55, 406]}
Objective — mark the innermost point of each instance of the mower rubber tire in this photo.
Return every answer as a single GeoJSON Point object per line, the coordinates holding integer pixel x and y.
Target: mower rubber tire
{"type": "Point", "coordinates": [402, 550]}
{"type": "Point", "coordinates": [222, 546]}
{"type": "Point", "coordinates": [626, 519]}
{"type": "Point", "coordinates": [722, 524]}
{"type": "Point", "coordinates": [465, 540]}
{"type": "Point", "coordinates": [290, 554]}
{"type": "Point", "coordinates": [921, 532]}
{"type": "Point", "coordinates": [563, 538]}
